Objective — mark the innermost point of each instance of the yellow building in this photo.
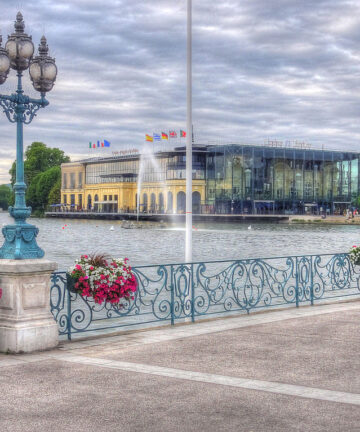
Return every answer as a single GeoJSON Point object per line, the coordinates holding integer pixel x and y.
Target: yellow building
{"type": "Point", "coordinates": [112, 184]}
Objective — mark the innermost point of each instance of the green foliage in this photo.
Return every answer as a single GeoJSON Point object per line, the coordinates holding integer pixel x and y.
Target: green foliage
{"type": "Point", "coordinates": [39, 158]}
{"type": "Point", "coordinates": [5, 196]}
{"type": "Point", "coordinates": [42, 176]}
{"type": "Point", "coordinates": [54, 194]}
{"type": "Point", "coordinates": [37, 195]}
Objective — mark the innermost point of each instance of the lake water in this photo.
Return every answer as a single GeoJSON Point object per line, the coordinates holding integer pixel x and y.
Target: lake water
{"type": "Point", "coordinates": [65, 240]}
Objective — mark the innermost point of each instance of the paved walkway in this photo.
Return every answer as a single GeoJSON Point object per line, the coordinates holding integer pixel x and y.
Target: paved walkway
{"type": "Point", "coordinates": [289, 370]}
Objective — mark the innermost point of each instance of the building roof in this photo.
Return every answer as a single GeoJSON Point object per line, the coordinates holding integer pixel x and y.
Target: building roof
{"type": "Point", "coordinates": [205, 149]}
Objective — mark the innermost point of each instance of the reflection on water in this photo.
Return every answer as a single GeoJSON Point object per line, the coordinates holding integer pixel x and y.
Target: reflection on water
{"type": "Point", "coordinates": [64, 240]}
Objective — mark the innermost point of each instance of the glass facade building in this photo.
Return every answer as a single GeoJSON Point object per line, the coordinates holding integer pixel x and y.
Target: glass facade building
{"type": "Point", "coordinates": [227, 179]}
{"type": "Point", "coordinates": [254, 179]}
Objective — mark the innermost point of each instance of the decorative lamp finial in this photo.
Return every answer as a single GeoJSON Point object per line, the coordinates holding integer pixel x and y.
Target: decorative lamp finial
{"type": "Point", "coordinates": [19, 23]}
{"type": "Point", "coordinates": [43, 47]}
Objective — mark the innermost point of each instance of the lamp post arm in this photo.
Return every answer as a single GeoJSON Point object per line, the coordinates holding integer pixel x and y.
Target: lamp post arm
{"type": "Point", "coordinates": [20, 106]}
{"type": "Point", "coordinates": [42, 101]}
{"type": "Point", "coordinates": [23, 99]}
{"type": "Point", "coordinates": [11, 98]}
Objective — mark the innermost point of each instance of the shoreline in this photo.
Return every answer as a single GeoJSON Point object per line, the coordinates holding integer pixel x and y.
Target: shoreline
{"type": "Point", "coordinates": [239, 218]}
{"type": "Point", "coordinates": [329, 220]}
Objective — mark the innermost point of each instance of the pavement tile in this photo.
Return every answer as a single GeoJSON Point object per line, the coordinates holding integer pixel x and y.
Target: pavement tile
{"type": "Point", "coordinates": [315, 351]}
{"type": "Point", "coordinates": [64, 396]}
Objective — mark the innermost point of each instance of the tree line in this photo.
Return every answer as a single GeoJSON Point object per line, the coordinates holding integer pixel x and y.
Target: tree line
{"type": "Point", "coordinates": [42, 175]}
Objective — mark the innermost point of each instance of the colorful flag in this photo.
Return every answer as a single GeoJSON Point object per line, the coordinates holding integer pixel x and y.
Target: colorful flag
{"type": "Point", "coordinates": [182, 134]}
{"type": "Point", "coordinates": [94, 145]}
{"type": "Point", "coordinates": [98, 143]}
{"type": "Point", "coordinates": [90, 144]}
{"type": "Point", "coordinates": [149, 138]}
{"type": "Point", "coordinates": [106, 143]}
{"type": "Point", "coordinates": [164, 136]}
{"type": "Point", "coordinates": [173, 134]}
{"type": "Point", "coordinates": [156, 137]}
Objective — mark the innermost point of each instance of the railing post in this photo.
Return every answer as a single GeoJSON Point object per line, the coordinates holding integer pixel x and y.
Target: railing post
{"type": "Point", "coordinates": [311, 281]}
{"type": "Point", "coordinates": [297, 284]}
{"type": "Point", "coordinates": [172, 300]}
{"type": "Point", "coordinates": [68, 311]}
{"type": "Point", "coordinates": [192, 294]}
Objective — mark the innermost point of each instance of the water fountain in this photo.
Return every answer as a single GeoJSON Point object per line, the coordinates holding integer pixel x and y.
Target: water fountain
{"type": "Point", "coordinates": [147, 155]}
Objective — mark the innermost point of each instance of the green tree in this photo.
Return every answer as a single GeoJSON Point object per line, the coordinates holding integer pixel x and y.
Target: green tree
{"type": "Point", "coordinates": [41, 186]}
{"type": "Point", "coordinates": [55, 193]}
{"type": "Point", "coordinates": [38, 159]}
{"type": "Point", "coordinates": [5, 195]}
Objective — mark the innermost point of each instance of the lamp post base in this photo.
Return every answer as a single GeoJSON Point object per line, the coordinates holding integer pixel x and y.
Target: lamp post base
{"type": "Point", "coordinates": [20, 242]}
{"type": "Point", "coordinates": [26, 323]}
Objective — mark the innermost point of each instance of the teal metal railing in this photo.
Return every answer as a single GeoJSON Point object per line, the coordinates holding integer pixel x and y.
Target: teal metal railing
{"type": "Point", "coordinates": [173, 293]}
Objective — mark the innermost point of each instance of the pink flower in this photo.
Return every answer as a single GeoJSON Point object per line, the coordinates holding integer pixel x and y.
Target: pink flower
{"type": "Point", "coordinates": [78, 267]}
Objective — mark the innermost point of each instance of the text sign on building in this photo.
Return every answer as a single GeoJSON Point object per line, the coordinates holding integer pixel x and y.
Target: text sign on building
{"type": "Point", "coordinates": [129, 152]}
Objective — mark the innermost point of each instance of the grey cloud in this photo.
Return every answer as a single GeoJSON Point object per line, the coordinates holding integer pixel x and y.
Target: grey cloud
{"type": "Point", "coordinates": [284, 69]}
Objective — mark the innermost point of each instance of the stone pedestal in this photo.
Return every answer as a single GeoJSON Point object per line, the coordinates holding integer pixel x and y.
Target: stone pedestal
{"type": "Point", "coordinates": [26, 323]}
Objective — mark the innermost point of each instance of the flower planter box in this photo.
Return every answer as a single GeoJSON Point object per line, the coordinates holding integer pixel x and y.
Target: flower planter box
{"type": "Point", "coordinates": [104, 281]}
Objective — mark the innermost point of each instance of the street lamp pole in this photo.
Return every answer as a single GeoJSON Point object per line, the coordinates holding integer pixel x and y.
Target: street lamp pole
{"type": "Point", "coordinates": [20, 238]}
{"type": "Point", "coordinates": [188, 236]}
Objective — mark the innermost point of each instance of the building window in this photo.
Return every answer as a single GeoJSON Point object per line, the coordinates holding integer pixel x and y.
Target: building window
{"type": "Point", "coordinates": [170, 202]}
{"type": "Point", "coordinates": [64, 199]}
{"type": "Point", "coordinates": [64, 181]}
{"type": "Point", "coordinates": [72, 180]}
{"type": "Point", "coordinates": [72, 200]}
{"type": "Point", "coordinates": [80, 201]}
{"type": "Point", "coordinates": [80, 179]}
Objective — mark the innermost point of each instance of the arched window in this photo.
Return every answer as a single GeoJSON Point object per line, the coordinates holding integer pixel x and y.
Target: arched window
{"type": "Point", "coordinates": [145, 203]}
{"type": "Point", "coordinates": [181, 202]}
{"type": "Point", "coordinates": [153, 203]}
{"type": "Point", "coordinates": [196, 202]}
{"type": "Point", "coordinates": [89, 202]}
{"type": "Point", "coordinates": [96, 205]}
{"type": "Point", "coordinates": [161, 203]}
{"type": "Point", "coordinates": [170, 202]}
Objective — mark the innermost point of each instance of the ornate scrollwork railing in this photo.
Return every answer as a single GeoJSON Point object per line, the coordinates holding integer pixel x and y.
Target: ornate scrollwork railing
{"type": "Point", "coordinates": [176, 292]}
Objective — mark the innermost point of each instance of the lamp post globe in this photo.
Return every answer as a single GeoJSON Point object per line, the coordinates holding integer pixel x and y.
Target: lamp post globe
{"type": "Point", "coordinates": [19, 46]}
{"type": "Point", "coordinates": [4, 63]}
{"type": "Point", "coordinates": [43, 69]}
{"type": "Point", "coordinates": [20, 237]}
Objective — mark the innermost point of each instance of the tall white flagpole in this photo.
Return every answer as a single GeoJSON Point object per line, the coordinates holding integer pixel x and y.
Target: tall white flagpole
{"type": "Point", "coordinates": [188, 236]}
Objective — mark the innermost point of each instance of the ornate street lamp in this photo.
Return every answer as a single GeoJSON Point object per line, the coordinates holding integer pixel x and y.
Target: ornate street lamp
{"type": "Point", "coordinates": [20, 238]}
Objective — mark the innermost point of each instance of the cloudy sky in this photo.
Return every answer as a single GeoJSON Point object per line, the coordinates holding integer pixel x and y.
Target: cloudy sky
{"type": "Point", "coordinates": [262, 69]}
